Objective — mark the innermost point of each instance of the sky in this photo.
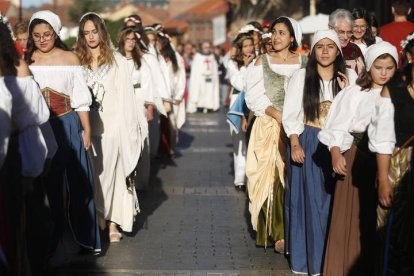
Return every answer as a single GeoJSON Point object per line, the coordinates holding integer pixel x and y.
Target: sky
{"type": "Point", "coordinates": [33, 3]}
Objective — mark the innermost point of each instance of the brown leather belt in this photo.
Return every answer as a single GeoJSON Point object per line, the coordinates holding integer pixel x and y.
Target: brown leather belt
{"type": "Point", "coordinates": [58, 103]}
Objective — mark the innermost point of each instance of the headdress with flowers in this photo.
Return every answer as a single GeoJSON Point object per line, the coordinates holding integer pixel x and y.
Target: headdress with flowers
{"type": "Point", "coordinates": [407, 40]}
{"type": "Point", "coordinates": [248, 28]}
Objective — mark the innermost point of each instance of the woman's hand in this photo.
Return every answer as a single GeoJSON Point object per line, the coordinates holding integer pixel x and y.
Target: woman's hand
{"type": "Point", "coordinates": [86, 135]}
{"type": "Point", "coordinates": [150, 113]}
{"type": "Point", "coordinates": [247, 59]}
{"type": "Point", "coordinates": [177, 102]}
{"type": "Point", "coordinates": [298, 155]}
{"type": "Point", "coordinates": [244, 124]}
{"type": "Point", "coordinates": [342, 80]}
{"type": "Point", "coordinates": [338, 161]}
{"type": "Point", "coordinates": [385, 193]}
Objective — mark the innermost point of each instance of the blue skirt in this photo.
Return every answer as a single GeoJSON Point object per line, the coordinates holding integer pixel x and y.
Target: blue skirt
{"type": "Point", "coordinates": [309, 188]}
{"type": "Point", "coordinates": [71, 171]}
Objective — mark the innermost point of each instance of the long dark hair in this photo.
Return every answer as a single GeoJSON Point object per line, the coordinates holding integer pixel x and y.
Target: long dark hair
{"type": "Point", "coordinates": [136, 52]}
{"type": "Point", "coordinates": [295, 44]}
{"type": "Point", "coordinates": [139, 28]}
{"type": "Point", "coordinates": [9, 56]}
{"type": "Point", "coordinates": [312, 87]}
{"type": "Point", "coordinates": [365, 79]}
{"type": "Point", "coordinates": [359, 13]}
{"type": "Point", "coordinates": [31, 47]}
{"type": "Point", "coordinates": [238, 44]}
{"type": "Point", "coordinates": [168, 52]}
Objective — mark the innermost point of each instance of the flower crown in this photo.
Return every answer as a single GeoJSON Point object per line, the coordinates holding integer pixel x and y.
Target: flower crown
{"type": "Point", "coordinates": [248, 28]}
{"type": "Point", "coordinates": [407, 40]}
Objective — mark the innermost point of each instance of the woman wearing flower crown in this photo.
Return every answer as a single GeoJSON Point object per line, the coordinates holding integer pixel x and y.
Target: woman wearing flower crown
{"type": "Point", "coordinates": [115, 137]}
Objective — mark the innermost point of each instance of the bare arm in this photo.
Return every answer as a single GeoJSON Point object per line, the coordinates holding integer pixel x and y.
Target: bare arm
{"type": "Point", "coordinates": [274, 113]}
{"type": "Point", "coordinates": [297, 153]}
{"type": "Point", "coordinates": [385, 192]}
{"type": "Point", "coordinates": [84, 118]}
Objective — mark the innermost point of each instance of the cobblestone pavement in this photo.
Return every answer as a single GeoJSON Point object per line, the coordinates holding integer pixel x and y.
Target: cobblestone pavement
{"type": "Point", "coordinates": [192, 221]}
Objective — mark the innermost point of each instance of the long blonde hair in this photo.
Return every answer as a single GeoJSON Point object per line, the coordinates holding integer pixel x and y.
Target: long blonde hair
{"type": "Point", "coordinates": [82, 50]}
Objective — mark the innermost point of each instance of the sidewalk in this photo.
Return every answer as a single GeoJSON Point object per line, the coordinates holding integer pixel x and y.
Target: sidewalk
{"type": "Point", "coordinates": [192, 221]}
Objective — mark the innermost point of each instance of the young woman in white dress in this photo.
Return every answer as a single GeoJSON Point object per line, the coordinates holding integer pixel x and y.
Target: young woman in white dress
{"type": "Point", "coordinates": [115, 132]}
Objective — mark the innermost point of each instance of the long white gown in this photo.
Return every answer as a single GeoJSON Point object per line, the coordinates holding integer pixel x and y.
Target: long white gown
{"type": "Point", "coordinates": [204, 84]}
{"type": "Point", "coordinates": [115, 141]}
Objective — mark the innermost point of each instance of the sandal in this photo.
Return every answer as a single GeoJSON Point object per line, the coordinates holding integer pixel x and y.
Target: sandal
{"type": "Point", "coordinates": [280, 246]}
{"type": "Point", "coordinates": [115, 237]}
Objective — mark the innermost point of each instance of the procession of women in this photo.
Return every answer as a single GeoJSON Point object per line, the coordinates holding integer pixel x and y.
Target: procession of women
{"type": "Point", "coordinates": [322, 135]}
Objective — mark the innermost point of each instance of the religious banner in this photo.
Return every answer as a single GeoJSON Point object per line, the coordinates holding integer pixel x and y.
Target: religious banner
{"type": "Point", "coordinates": [219, 30]}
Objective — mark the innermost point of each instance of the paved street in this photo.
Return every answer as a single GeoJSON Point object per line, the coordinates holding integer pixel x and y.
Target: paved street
{"type": "Point", "coordinates": [192, 221]}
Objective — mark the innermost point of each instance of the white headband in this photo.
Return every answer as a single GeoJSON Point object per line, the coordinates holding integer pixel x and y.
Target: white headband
{"type": "Point", "coordinates": [94, 13]}
{"type": "Point", "coordinates": [249, 28]}
{"type": "Point", "coordinates": [380, 48]}
{"type": "Point", "coordinates": [136, 21]}
{"type": "Point", "coordinates": [296, 29]}
{"type": "Point", "coordinates": [49, 17]}
{"type": "Point", "coordinates": [330, 34]}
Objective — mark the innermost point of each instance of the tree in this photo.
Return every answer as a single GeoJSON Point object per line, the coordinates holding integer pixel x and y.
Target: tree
{"type": "Point", "coordinates": [80, 7]}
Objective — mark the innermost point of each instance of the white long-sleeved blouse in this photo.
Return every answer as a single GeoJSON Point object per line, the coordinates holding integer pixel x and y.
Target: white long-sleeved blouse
{"type": "Point", "coordinates": [68, 80]}
{"type": "Point", "coordinates": [381, 131]}
{"type": "Point", "coordinates": [351, 112]}
{"type": "Point", "coordinates": [29, 112]}
{"type": "Point", "coordinates": [178, 79]}
{"type": "Point", "coordinates": [142, 81]}
{"type": "Point", "coordinates": [256, 98]}
{"type": "Point", "coordinates": [5, 119]}
{"type": "Point", "coordinates": [293, 115]}
{"type": "Point", "coordinates": [237, 76]}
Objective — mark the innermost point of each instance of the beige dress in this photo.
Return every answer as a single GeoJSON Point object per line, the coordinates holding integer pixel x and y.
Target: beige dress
{"type": "Point", "coordinates": [116, 141]}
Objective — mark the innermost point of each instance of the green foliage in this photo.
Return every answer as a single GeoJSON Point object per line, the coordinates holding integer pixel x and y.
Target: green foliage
{"type": "Point", "coordinates": [70, 42]}
{"type": "Point", "coordinates": [113, 29]}
{"type": "Point", "coordinates": [80, 7]}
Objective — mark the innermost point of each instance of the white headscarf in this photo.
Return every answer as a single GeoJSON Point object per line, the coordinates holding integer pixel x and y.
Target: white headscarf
{"type": "Point", "coordinates": [378, 49]}
{"type": "Point", "coordinates": [50, 18]}
{"type": "Point", "coordinates": [296, 29]}
{"type": "Point", "coordinates": [330, 34]}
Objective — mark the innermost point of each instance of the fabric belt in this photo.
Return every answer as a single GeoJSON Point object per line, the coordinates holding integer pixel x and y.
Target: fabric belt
{"type": "Point", "coordinates": [137, 85]}
{"type": "Point", "coordinates": [58, 103]}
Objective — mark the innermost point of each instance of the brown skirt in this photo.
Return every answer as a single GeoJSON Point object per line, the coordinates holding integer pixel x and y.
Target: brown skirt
{"type": "Point", "coordinates": [350, 248]}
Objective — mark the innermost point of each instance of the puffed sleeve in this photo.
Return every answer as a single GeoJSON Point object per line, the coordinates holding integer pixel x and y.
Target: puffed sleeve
{"type": "Point", "coordinates": [381, 131]}
{"type": "Point", "coordinates": [49, 139]}
{"type": "Point", "coordinates": [29, 107]}
{"type": "Point", "coordinates": [5, 120]}
{"type": "Point", "coordinates": [147, 82]}
{"type": "Point", "coordinates": [236, 75]}
{"type": "Point", "coordinates": [180, 79]}
{"type": "Point", "coordinates": [81, 98]}
{"type": "Point", "coordinates": [256, 98]}
{"type": "Point", "coordinates": [335, 132]}
{"type": "Point", "coordinates": [292, 116]}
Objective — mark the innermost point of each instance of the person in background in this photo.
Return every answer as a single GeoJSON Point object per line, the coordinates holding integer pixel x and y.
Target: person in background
{"type": "Point", "coordinates": [362, 34]}
{"type": "Point", "coordinates": [21, 33]}
{"type": "Point", "coordinates": [204, 81]}
{"type": "Point", "coordinates": [342, 22]}
{"type": "Point", "coordinates": [256, 33]}
{"type": "Point", "coordinates": [266, 27]}
{"type": "Point", "coordinates": [397, 31]}
{"type": "Point", "coordinates": [375, 28]}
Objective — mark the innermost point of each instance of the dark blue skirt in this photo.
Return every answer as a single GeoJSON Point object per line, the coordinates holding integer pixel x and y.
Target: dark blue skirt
{"type": "Point", "coordinates": [309, 188]}
{"type": "Point", "coordinates": [70, 166]}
